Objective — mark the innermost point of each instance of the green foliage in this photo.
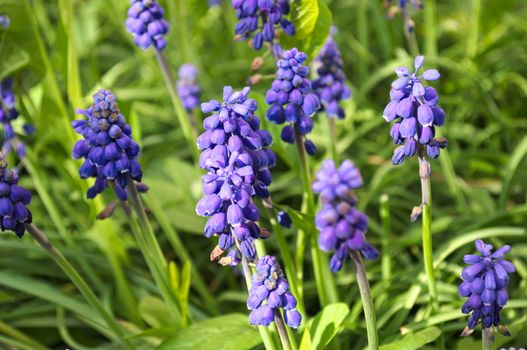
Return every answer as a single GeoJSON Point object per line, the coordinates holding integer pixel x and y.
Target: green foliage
{"type": "Point", "coordinates": [413, 341]}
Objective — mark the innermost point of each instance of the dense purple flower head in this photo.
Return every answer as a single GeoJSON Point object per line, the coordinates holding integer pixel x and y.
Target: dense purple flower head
{"type": "Point", "coordinates": [414, 108]}
{"type": "Point", "coordinates": [187, 86]}
{"type": "Point", "coordinates": [269, 293]}
{"type": "Point", "coordinates": [342, 227]}
{"type": "Point", "coordinates": [485, 284]}
{"type": "Point", "coordinates": [262, 17]}
{"type": "Point", "coordinates": [109, 152]}
{"type": "Point", "coordinates": [292, 99]}
{"type": "Point", "coordinates": [237, 157]}
{"type": "Point", "coordinates": [13, 201]}
{"type": "Point", "coordinates": [8, 113]}
{"type": "Point", "coordinates": [147, 24]}
{"type": "Point", "coordinates": [330, 86]}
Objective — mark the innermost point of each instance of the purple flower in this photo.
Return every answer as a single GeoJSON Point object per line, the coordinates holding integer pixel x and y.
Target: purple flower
{"type": "Point", "coordinates": [188, 87]}
{"type": "Point", "coordinates": [5, 21]}
{"type": "Point", "coordinates": [14, 214]}
{"type": "Point", "coordinates": [414, 109]}
{"type": "Point", "coordinates": [485, 284]}
{"type": "Point", "coordinates": [330, 86]}
{"type": "Point", "coordinates": [284, 219]}
{"type": "Point", "coordinates": [214, 2]}
{"type": "Point", "coordinates": [269, 293]}
{"type": "Point", "coordinates": [291, 98]}
{"type": "Point", "coordinates": [237, 157]}
{"type": "Point", "coordinates": [8, 113]}
{"type": "Point", "coordinates": [342, 227]}
{"type": "Point", "coordinates": [109, 151]}
{"type": "Point", "coordinates": [270, 13]}
{"type": "Point", "coordinates": [147, 24]}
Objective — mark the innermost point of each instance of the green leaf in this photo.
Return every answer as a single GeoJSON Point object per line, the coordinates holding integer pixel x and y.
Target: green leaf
{"type": "Point", "coordinates": [300, 220]}
{"type": "Point", "coordinates": [510, 171]}
{"type": "Point", "coordinates": [221, 333]}
{"type": "Point", "coordinates": [414, 341]}
{"type": "Point", "coordinates": [318, 37]}
{"type": "Point", "coordinates": [154, 311]}
{"type": "Point", "coordinates": [304, 16]}
{"type": "Point", "coordinates": [327, 324]}
{"type": "Point", "coordinates": [163, 332]}
{"type": "Point", "coordinates": [305, 343]}
{"type": "Point", "coordinates": [20, 48]}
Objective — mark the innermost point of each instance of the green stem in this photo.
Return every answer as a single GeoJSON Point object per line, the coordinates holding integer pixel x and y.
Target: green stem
{"type": "Point", "coordinates": [333, 138]}
{"type": "Point", "coordinates": [282, 331]}
{"type": "Point", "coordinates": [327, 291]}
{"type": "Point", "coordinates": [367, 302]}
{"type": "Point", "coordinates": [79, 282]}
{"type": "Point", "coordinates": [486, 339]}
{"type": "Point", "coordinates": [426, 203]}
{"type": "Point", "coordinates": [386, 261]}
{"type": "Point", "coordinates": [362, 34]}
{"type": "Point", "coordinates": [410, 37]}
{"type": "Point", "coordinates": [22, 337]}
{"type": "Point", "coordinates": [430, 28]}
{"type": "Point", "coordinates": [189, 133]}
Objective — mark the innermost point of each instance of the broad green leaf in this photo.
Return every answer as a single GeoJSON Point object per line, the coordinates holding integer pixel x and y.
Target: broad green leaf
{"type": "Point", "coordinates": [305, 343]}
{"type": "Point", "coordinates": [302, 221]}
{"type": "Point", "coordinates": [154, 312]}
{"type": "Point", "coordinates": [318, 37]}
{"type": "Point", "coordinates": [163, 332]}
{"type": "Point", "coordinates": [327, 324]}
{"type": "Point", "coordinates": [516, 159]}
{"type": "Point", "coordinates": [414, 341]}
{"type": "Point", "coordinates": [221, 333]}
{"type": "Point", "coordinates": [304, 16]}
{"type": "Point", "coordinates": [21, 49]}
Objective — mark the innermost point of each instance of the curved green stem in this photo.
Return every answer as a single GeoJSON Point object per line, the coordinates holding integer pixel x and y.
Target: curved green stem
{"type": "Point", "coordinates": [79, 282]}
{"type": "Point", "coordinates": [367, 302]}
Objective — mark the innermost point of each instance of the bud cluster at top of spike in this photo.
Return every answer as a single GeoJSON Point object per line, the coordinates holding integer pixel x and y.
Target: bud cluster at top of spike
{"type": "Point", "coordinates": [416, 113]}
{"type": "Point", "coordinates": [292, 99]}
{"type": "Point", "coordinates": [13, 201]}
{"type": "Point", "coordinates": [342, 227]}
{"type": "Point", "coordinates": [485, 284]}
{"type": "Point", "coordinates": [269, 293]}
{"type": "Point", "coordinates": [330, 86]}
{"type": "Point", "coordinates": [109, 151]}
{"type": "Point", "coordinates": [236, 156]}
{"type": "Point", "coordinates": [147, 24]}
{"type": "Point", "coordinates": [403, 7]}
{"type": "Point", "coordinates": [271, 12]}
{"type": "Point", "coordinates": [187, 86]}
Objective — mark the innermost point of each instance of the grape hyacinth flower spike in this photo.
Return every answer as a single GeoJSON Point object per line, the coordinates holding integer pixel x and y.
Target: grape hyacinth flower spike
{"type": "Point", "coordinates": [342, 227]}
{"type": "Point", "coordinates": [272, 14]}
{"type": "Point", "coordinates": [109, 151]}
{"type": "Point", "coordinates": [147, 24]}
{"type": "Point", "coordinates": [14, 214]}
{"type": "Point", "coordinates": [8, 113]}
{"type": "Point", "coordinates": [330, 86]}
{"type": "Point", "coordinates": [237, 157]}
{"type": "Point", "coordinates": [404, 6]}
{"type": "Point", "coordinates": [188, 87]}
{"type": "Point", "coordinates": [269, 293]}
{"type": "Point", "coordinates": [292, 99]}
{"type": "Point", "coordinates": [414, 108]}
{"type": "Point", "coordinates": [485, 284]}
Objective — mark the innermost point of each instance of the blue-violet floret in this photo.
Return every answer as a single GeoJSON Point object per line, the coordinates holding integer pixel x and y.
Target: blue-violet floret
{"type": "Point", "coordinates": [147, 24]}
{"type": "Point", "coordinates": [14, 199]}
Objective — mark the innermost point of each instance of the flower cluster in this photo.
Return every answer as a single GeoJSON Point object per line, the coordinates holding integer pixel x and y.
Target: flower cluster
{"type": "Point", "coordinates": [415, 110]}
{"type": "Point", "coordinates": [8, 113]}
{"type": "Point", "coordinates": [108, 148]}
{"type": "Point", "coordinates": [147, 24]}
{"type": "Point", "coordinates": [187, 86]}
{"type": "Point", "coordinates": [485, 284]}
{"type": "Point", "coordinates": [291, 98]}
{"type": "Point", "coordinates": [13, 201]}
{"type": "Point", "coordinates": [237, 159]}
{"type": "Point", "coordinates": [342, 227]}
{"type": "Point", "coordinates": [270, 292]}
{"type": "Point", "coordinates": [272, 14]}
{"type": "Point", "coordinates": [5, 22]}
{"type": "Point", "coordinates": [330, 86]}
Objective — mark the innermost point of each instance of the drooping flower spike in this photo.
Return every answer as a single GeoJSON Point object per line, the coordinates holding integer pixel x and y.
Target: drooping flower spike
{"type": "Point", "coordinates": [342, 227]}
{"type": "Point", "coordinates": [269, 293]}
{"type": "Point", "coordinates": [236, 156]}
{"type": "Point", "coordinates": [188, 87]}
{"type": "Point", "coordinates": [14, 199]}
{"type": "Point", "coordinates": [109, 151]}
{"type": "Point", "coordinates": [292, 99]}
{"type": "Point", "coordinates": [147, 24]}
{"type": "Point", "coordinates": [485, 284]}
{"type": "Point", "coordinates": [8, 113]}
{"type": "Point", "coordinates": [272, 14]}
{"type": "Point", "coordinates": [414, 108]}
{"type": "Point", "coordinates": [330, 86]}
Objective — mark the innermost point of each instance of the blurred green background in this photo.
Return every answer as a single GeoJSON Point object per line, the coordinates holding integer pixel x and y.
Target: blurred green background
{"type": "Point", "coordinates": [60, 52]}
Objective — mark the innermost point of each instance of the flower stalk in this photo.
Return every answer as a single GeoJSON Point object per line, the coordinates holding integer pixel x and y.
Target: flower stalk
{"type": "Point", "coordinates": [486, 339]}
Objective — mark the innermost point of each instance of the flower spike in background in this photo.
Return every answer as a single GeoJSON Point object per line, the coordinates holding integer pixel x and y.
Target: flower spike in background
{"type": "Point", "coordinates": [237, 157]}
{"type": "Point", "coordinates": [187, 86]}
{"type": "Point", "coordinates": [291, 98]}
{"type": "Point", "coordinates": [485, 284]}
{"type": "Point", "coordinates": [414, 108]}
{"type": "Point", "coordinates": [147, 24]}
{"type": "Point", "coordinates": [108, 148]}
{"type": "Point", "coordinates": [14, 214]}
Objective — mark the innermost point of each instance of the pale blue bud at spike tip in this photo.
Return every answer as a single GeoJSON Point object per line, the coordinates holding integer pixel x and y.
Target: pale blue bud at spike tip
{"type": "Point", "coordinates": [188, 88]}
